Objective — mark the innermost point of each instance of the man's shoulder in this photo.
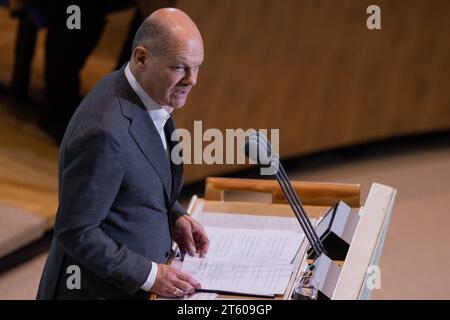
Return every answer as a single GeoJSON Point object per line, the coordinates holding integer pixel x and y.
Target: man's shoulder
{"type": "Point", "coordinates": [104, 90]}
{"type": "Point", "coordinates": [99, 112]}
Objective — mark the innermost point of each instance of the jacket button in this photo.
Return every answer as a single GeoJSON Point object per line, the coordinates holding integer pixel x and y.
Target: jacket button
{"type": "Point", "coordinates": [167, 254]}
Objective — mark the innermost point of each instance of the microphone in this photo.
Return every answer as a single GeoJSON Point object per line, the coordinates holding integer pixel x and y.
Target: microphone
{"type": "Point", "coordinates": [258, 149]}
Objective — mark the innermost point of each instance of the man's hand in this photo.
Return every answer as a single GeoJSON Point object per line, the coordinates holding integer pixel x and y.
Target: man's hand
{"type": "Point", "coordinates": [190, 236]}
{"type": "Point", "coordinates": [173, 283]}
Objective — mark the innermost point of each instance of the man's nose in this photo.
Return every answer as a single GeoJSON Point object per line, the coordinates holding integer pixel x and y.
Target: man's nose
{"type": "Point", "coordinates": [190, 78]}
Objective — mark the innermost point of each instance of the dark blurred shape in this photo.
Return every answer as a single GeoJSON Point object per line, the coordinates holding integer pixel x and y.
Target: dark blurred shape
{"type": "Point", "coordinates": [66, 51]}
{"type": "Point", "coordinates": [24, 51]}
{"type": "Point", "coordinates": [29, 23]}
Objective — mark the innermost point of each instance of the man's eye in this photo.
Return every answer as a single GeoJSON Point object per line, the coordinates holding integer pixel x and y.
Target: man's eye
{"type": "Point", "coordinates": [178, 68]}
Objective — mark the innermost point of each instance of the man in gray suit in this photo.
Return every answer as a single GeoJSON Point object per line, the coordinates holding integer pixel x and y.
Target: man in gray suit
{"type": "Point", "coordinates": [118, 211]}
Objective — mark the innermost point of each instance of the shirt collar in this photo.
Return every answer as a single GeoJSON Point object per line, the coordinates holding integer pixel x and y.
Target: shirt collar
{"type": "Point", "coordinates": [158, 113]}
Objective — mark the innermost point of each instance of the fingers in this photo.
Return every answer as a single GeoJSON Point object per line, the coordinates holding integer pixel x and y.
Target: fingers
{"type": "Point", "coordinates": [184, 286]}
{"type": "Point", "coordinates": [187, 278]}
{"type": "Point", "coordinates": [191, 236]}
{"type": "Point", "coordinates": [173, 283]}
{"type": "Point", "coordinates": [185, 238]}
{"type": "Point", "coordinates": [175, 292]}
{"type": "Point", "coordinates": [201, 241]}
{"type": "Point", "coordinates": [189, 244]}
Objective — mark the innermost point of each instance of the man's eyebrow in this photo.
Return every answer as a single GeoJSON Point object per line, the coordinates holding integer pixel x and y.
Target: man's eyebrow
{"type": "Point", "coordinates": [185, 61]}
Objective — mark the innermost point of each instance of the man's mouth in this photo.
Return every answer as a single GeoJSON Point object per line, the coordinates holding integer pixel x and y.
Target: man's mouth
{"type": "Point", "coordinates": [181, 92]}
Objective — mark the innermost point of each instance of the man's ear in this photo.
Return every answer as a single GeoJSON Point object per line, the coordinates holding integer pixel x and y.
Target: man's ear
{"type": "Point", "coordinates": [140, 55]}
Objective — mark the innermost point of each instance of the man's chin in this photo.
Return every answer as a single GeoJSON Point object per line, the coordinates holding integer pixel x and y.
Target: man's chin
{"type": "Point", "coordinates": [178, 104]}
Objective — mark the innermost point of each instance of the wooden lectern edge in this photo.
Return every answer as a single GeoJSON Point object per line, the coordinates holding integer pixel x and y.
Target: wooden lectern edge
{"type": "Point", "coordinates": [311, 193]}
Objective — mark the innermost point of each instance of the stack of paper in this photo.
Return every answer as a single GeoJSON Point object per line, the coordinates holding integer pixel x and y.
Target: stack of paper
{"type": "Point", "coordinates": [246, 260]}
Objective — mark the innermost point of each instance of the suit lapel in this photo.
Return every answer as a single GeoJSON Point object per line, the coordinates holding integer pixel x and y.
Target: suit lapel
{"type": "Point", "coordinates": [176, 169]}
{"type": "Point", "coordinates": [144, 132]}
{"type": "Point", "coordinates": [149, 141]}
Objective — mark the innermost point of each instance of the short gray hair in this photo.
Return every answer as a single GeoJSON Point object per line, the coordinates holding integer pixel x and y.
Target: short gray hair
{"type": "Point", "coordinates": [153, 36]}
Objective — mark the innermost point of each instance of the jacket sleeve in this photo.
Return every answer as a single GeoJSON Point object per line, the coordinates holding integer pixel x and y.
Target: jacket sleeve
{"type": "Point", "coordinates": [177, 211]}
{"type": "Point", "coordinates": [90, 178]}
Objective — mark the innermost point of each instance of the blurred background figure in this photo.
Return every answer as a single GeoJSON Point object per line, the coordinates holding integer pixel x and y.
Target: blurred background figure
{"type": "Point", "coordinates": [29, 22]}
{"type": "Point", "coordinates": [66, 51]}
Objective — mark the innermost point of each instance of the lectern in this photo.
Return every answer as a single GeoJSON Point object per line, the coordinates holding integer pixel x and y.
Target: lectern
{"type": "Point", "coordinates": [348, 277]}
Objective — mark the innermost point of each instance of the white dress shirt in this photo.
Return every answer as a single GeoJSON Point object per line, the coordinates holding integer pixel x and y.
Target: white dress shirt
{"type": "Point", "coordinates": [160, 115]}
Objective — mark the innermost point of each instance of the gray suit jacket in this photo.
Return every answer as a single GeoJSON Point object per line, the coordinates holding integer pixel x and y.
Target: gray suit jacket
{"type": "Point", "coordinates": [117, 197]}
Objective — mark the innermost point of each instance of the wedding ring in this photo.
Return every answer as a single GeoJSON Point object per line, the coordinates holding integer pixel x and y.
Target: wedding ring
{"type": "Point", "coordinates": [176, 291]}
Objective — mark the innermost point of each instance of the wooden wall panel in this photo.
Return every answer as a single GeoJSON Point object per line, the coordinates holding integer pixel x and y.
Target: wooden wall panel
{"type": "Point", "coordinates": [313, 69]}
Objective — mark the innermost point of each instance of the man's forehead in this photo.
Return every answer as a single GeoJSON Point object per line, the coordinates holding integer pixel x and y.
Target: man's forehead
{"type": "Point", "coordinates": [191, 54]}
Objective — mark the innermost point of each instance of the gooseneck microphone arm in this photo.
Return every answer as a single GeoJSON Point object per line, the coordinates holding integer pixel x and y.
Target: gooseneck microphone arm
{"type": "Point", "coordinates": [299, 211]}
{"type": "Point", "coordinates": [258, 142]}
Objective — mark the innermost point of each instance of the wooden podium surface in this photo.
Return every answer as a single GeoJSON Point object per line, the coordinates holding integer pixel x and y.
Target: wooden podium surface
{"type": "Point", "coordinates": [365, 248]}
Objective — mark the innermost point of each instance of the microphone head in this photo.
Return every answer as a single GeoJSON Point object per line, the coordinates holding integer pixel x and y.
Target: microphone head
{"type": "Point", "coordinates": [258, 149]}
